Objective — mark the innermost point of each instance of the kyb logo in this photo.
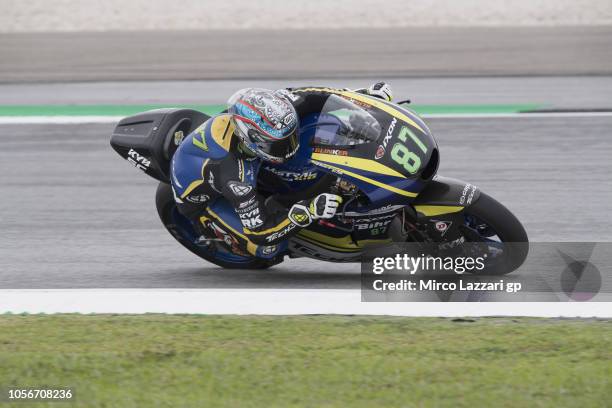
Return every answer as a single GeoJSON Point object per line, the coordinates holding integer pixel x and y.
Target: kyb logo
{"type": "Point", "coordinates": [251, 219]}
{"type": "Point", "coordinates": [382, 148]}
{"type": "Point", "coordinates": [138, 161]}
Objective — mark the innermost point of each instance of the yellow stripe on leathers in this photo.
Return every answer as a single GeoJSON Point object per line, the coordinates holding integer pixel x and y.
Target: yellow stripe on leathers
{"type": "Point", "coordinates": [432, 210]}
{"type": "Point", "coordinates": [251, 247]}
{"type": "Point", "coordinates": [222, 130]}
{"type": "Point", "coordinates": [357, 163]}
{"type": "Point", "coordinates": [194, 184]}
{"type": "Point", "coordinates": [367, 179]}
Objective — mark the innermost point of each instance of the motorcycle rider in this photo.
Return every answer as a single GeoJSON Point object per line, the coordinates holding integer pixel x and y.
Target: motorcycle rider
{"type": "Point", "coordinates": [214, 170]}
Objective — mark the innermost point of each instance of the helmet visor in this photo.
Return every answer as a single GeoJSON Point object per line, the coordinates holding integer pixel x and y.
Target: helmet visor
{"type": "Point", "coordinates": [280, 150]}
{"type": "Point", "coordinates": [269, 147]}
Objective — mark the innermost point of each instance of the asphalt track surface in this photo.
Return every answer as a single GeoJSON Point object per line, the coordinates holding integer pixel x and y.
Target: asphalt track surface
{"type": "Point", "coordinates": [283, 54]}
{"type": "Point", "coordinates": [75, 215]}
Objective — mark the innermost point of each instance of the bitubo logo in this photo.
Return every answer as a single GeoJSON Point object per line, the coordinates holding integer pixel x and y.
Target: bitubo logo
{"type": "Point", "coordinates": [240, 189]}
{"type": "Point", "coordinates": [373, 222]}
{"type": "Point", "coordinates": [382, 148]}
{"type": "Point", "coordinates": [140, 162]}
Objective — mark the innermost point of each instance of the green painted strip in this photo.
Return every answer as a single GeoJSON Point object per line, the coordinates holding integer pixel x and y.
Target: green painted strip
{"type": "Point", "coordinates": [95, 110]}
{"type": "Point", "coordinates": [470, 109]}
{"type": "Point", "coordinates": [126, 110]}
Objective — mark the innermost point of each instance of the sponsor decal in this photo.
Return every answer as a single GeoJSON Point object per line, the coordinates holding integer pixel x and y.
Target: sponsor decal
{"type": "Point", "coordinates": [251, 219]}
{"type": "Point", "coordinates": [300, 218]}
{"type": "Point", "coordinates": [380, 152]}
{"type": "Point", "coordinates": [247, 203]}
{"type": "Point", "coordinates": [329, 167]}
{"type": "Point", "coordinates": [239, 189]}
{"type": "Point", "coordinates": [371, 223]}
{"type": "Point", "coordinates": [442, 226]}
{"type": "Point", "coordinates": [281, 233]}
{"type": "Point", "coordinates": [357, 102]}
{"type": "Point", "coordinates": [138, 161]}
{"type": "Point", "coordinates": [467, 195]}
{"type": "Point", "coordinates": [292, 175]}
{"type": "Point", "coordinates": [298, 214]}
{"type": "Point", "coordinates": [382, 148]}
{"type": "Point", "coordinates": [270, 249]}
{"type": "Point", "coordinates": [289, 119]}
{"type": "Point", "coordinates": [452, 244]}
{"type": "Point", "coordinates": [203, 144]}
{"type": "Point", "coordinates": [198, 198]}
{"type": "Point", "coordinates": [335, 152]}
{"type": "Point", "coordinates": [291, 153]}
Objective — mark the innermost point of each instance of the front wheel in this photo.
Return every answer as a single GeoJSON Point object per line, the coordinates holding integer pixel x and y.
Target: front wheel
{"type": "Point", "coordinates": [182, 230]}
{"type": "Point", "coordinates": [491, 223]}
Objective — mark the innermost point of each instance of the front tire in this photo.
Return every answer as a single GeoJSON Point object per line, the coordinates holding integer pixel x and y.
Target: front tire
{"type": "Point", "coordinates": [508, 229]}
{"type": "Point", "coordinates": [178, 226]}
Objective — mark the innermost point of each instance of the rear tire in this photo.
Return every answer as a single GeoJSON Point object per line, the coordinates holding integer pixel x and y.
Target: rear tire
{"type": "Point", "coordinates": [507, 227]}
{"type": "Point", "coordinates": [166, 209]}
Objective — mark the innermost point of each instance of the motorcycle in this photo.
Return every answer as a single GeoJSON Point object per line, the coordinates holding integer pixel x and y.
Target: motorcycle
{"type": "Point", "coordinates": [379, 156]}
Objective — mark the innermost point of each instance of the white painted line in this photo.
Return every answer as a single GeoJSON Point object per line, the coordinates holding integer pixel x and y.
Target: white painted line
{"type": "Point", "coordinates": [518, 115]}
{"type": "Point", "coordinates": [268, 302]}
{"type": "Point", "coordinates": [59, 120]}
{"type": "Point", "coordinates": [68, 120]}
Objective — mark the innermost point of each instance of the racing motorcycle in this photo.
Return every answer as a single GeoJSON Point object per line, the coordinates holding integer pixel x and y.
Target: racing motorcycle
{"type": "Point", "coordinates": [379, 156]}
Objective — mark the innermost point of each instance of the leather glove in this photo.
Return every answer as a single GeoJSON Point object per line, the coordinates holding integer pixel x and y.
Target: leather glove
{"type": "Point", "coordinates": [381, 90]}
{"type": "Point", "coordinates": [322, 206]}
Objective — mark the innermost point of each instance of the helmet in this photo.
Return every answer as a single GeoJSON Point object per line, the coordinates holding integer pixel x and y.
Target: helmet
{"type": "Point", "coordinates": [266, 122]}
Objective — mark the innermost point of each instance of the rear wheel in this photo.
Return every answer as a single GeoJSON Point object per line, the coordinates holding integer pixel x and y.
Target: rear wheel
{"type": "Point", "coordinates": [182, 230]}
{"type": "Point", "coordinates": [490, 222]}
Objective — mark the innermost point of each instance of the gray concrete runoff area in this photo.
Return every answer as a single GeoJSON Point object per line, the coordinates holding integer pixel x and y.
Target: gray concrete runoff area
{"type": "Point", "coordinates": [315, 53]}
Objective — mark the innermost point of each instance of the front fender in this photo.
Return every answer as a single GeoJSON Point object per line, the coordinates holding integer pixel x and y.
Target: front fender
{"type": "Point", "coordinates": [445, 195]}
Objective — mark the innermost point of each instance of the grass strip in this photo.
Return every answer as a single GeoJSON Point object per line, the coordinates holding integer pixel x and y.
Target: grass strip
{"type": "Point", "coordinates": [309, 361]}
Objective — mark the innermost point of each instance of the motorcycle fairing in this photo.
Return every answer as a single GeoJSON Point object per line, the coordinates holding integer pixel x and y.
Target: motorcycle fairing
{"type": "Point", "coordinates": [344, 244]}
{"type": "Point", "coordinates": [445, 195]}
{"type": "Point", "coordinates": [393, 168]}
{"type": "Point", "coordinates": [149, 139]}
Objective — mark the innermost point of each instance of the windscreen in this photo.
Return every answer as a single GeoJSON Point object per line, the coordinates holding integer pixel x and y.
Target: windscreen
{"type": "Point", "coordinates": [344, 123]}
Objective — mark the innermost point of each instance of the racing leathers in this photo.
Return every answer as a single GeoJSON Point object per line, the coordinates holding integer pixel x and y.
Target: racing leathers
{"type": "Point", "coordinates": [214, 180]}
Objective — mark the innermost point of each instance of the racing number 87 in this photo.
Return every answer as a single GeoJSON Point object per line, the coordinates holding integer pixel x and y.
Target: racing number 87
{"type": "Point", "coordinates": [403, 156]}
